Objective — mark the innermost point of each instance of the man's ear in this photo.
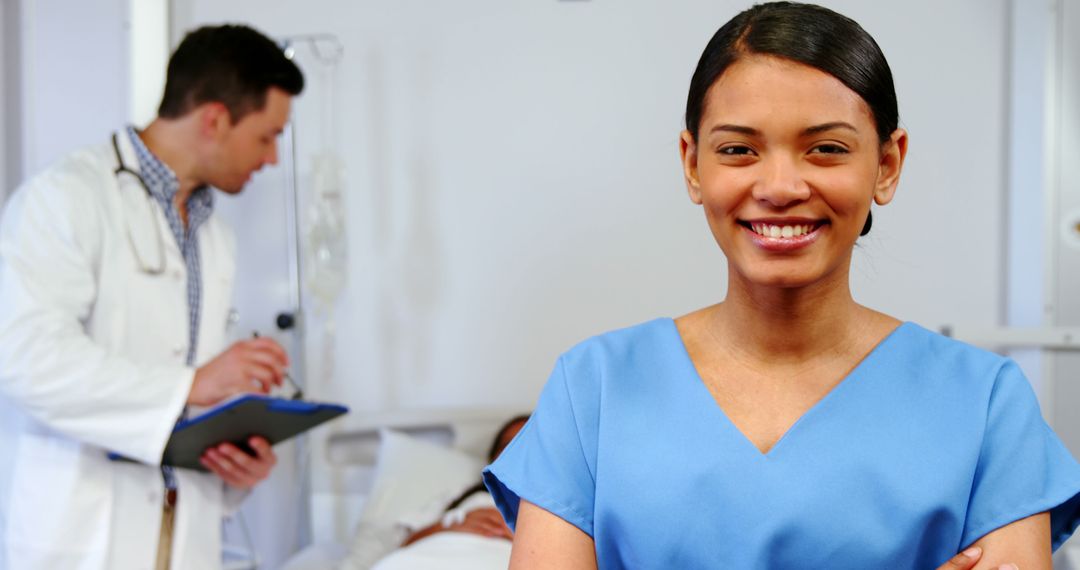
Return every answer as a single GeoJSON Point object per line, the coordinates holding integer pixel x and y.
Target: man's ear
{"type": "Point", "coordinates": [893, 153]}
{"type": "Point", "coordinates": [688, 154]}
{"type": "Point", "coordinates": [214, 119]}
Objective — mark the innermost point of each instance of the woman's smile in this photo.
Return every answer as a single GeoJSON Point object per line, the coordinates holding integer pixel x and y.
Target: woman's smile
{"type": "Point", "coordinates": [783, 235]}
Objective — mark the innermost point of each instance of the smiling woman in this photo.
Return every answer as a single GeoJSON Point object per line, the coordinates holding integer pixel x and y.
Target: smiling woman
{"type": "Point", "coordinates": [797, 428]}
{"type": "Point", "coordinates": [790, 158]}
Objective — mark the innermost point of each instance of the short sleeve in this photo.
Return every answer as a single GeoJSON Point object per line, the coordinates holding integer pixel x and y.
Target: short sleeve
{"type": "Point", "coordinates": [551, 463]}
{"type": "Point", "coordinates": [1023, 467]}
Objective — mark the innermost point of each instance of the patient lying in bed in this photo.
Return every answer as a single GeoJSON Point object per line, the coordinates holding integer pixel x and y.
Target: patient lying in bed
{"type": "Point", "coordinates": [471, 533]}
{"type": "Point", "coordinates": [477, 543]}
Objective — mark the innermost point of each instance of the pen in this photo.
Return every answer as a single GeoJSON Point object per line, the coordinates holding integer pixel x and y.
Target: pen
{"type": "Point", "coordinates": [298, 394]}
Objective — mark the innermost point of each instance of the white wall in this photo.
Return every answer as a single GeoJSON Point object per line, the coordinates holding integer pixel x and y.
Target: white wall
{"type": "Point", "coordinates": [5, 83]}
{"type": "Point", "coordinates": [79, 70]}
{"type": "Point", "coordinates": [513, 183]}
{"type": "Point", "coordinates": [10, 99]}
{"type": "Point", "coordinates": [148, 35]}
{"type": "Point", "coordinates": [1063, 235]}
{"type": "Point", "coordinates": [74, 84]}
{"type": "Point", "coordinates": [1026, 271]}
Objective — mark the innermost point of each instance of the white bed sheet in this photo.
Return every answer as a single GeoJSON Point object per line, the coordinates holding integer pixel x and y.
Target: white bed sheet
{"type": "Point", "coordinates": [450, 551]}
{"type": "Point", "coordinates": [320, 556]}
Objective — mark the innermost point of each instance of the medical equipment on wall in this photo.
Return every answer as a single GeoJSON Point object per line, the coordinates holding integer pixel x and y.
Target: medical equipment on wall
{"type": "Point", "coordinates": [315, 205]}
{"type": "Point", "coordinates": [321, 229]}
{"type": "Point", "coordinates": [325, 239]}
{"type": "Point", "coordinates": [315, 252]}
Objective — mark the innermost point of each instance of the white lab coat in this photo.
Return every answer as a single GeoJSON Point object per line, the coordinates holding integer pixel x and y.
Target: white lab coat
{"type": "Point", "coordinates": [92, 360]}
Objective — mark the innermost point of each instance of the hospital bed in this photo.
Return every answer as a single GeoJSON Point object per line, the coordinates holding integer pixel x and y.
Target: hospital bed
{"type": "Point", "coordinates": [371, 472]}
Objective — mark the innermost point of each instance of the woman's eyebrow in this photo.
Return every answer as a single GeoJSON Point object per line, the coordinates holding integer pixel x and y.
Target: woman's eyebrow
{"type": "Point", "coordinates": [817, 129]}
{"type": "Point", "coordinates": [749, 131]}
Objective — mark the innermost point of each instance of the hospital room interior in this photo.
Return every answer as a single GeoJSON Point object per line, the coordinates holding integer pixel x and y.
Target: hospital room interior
{"type": "Point", "coordinates": [467, 189]}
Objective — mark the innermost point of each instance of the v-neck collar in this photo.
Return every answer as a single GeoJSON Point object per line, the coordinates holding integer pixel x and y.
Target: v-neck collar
{"type": "Point", "coordinates": [683, 356]}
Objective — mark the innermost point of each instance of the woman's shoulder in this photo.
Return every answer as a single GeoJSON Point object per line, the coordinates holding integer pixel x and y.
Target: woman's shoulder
{"type": "Point", "coordinates": [930, 354]}
{"type": "Point", "coordinates": [944, 346]}
{"type": "Point", "coordinates": [649, 337]}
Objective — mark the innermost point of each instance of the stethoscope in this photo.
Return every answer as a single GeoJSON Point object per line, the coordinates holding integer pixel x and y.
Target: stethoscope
{"type": "Point", "coordinates": [121, 168]}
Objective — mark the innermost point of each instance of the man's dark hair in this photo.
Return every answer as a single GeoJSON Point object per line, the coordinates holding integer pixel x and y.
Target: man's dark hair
{"type": "Point", "coordinates": [233, 65]}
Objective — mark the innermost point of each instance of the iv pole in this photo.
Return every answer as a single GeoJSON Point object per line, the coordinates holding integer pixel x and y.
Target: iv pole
{"type": "Point", "coordinates": [327, 50]}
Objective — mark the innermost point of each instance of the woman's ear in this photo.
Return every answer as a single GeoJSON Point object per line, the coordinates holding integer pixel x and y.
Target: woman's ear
{"type": "Point", "coordinates": [688, 153]}
{"type": "Point", "coordinates": [892, 162]}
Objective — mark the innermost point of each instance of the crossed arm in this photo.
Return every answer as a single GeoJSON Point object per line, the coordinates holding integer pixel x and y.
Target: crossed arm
{"type": "Point", "coordinates": [544, 541]}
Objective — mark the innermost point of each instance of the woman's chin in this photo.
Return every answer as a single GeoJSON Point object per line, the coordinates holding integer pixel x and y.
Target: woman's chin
{"type": "Point", "coordinates": [793, 278]}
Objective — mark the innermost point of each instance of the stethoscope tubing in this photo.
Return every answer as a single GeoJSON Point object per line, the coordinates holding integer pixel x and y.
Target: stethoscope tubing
{"type": "Point", "coordinates": [122, 168]}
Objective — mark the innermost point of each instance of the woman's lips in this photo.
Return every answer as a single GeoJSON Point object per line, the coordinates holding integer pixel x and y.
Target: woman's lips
{"type": "Point", "coordinates": [783, 237]}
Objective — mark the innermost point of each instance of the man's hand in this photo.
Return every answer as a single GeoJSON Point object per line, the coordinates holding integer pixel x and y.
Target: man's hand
{"type": "Point", "coordinates": [237, 468]}
{"type": "Point", "coordinates": [485, 522]}
{"type": "Point", "coordinates": [254, 365]}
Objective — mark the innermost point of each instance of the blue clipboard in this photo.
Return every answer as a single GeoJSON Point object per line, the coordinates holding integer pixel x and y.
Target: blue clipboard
{"type": "Point", "coordinates": [236, 421]}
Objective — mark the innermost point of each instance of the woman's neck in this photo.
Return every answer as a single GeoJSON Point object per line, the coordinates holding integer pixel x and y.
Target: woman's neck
{"type": "Point", "coordinates": [778, 325]}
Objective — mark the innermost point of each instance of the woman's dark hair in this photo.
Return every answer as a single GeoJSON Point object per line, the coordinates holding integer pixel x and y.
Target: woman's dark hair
{"type": "Point", "coordinates": [231, 65]}
{"type": "Point", "coordinates": [807, 34]}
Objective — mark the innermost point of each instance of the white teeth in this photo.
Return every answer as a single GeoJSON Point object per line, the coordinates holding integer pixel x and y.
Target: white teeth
{"type": "Point", "coordinates": [771, 231]}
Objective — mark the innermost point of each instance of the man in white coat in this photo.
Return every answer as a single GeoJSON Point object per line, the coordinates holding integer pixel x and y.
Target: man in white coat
{"type": "Point", "coordinates": [115, 285]}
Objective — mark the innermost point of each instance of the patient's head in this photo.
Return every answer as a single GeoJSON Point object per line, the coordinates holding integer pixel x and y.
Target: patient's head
{"type": "Point", "coordinates": [506, 435]}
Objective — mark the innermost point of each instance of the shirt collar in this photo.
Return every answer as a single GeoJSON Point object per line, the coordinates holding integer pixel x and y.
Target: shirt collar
{"type": "Point", "coordinates": [161, 181]}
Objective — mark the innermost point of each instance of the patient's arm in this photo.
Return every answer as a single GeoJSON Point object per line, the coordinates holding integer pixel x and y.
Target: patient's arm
{"type": "Point", "coordinates": [424, 533]}
{"type": "Point", "coordinates": [1025, 543]}
{"type": "Point", "coordinates": [544, 540]}
{"type": "Point", "coordinates": [485, 521]}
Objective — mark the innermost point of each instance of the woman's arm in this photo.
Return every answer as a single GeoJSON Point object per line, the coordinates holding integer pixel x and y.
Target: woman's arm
{"type": "Point", "coordinates": [1024, 543]}
{"type": "Point", "coordinates": [543, 541]}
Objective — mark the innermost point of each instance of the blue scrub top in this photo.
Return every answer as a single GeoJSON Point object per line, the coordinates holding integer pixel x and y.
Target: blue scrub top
{"type": "Point", "coordinates": [926, 446]}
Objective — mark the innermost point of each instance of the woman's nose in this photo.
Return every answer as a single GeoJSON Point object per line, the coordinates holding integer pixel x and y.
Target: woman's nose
{"type": "Point", "coordinates": [781, 183]}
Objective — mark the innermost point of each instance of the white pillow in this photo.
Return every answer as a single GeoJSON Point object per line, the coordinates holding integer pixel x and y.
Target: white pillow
{"type": "Point", "coordinates": [415, 480]}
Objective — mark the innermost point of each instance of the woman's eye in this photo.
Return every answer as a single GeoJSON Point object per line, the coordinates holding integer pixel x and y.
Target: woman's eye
{"type": "Point", "coordinates": [829, 149]}
{"type": "Point", "coordinates": [735, 151]}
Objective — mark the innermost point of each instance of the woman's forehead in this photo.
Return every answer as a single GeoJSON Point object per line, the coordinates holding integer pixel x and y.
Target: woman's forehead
{"type": "Point", "coordinates": [760, 90]}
